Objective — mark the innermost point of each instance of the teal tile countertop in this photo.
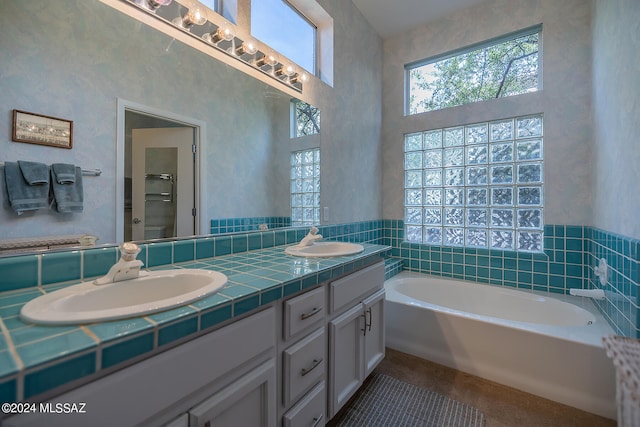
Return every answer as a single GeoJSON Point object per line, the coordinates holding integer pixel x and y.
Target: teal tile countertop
{"type": "Point", "coordinates": [35, 360]}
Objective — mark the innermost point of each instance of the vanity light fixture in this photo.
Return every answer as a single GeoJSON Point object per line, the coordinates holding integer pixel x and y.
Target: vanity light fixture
{"type": "Point", "coordinates": [152, 5]}
{"type": "Point", "coordinates": [196, 15]}
{"type": "Point", "coordinates": [196, 20]}
{"type": "Point", "coordinates": [249, 46]}
{"type": "Point", "coordinates": [224, 32]}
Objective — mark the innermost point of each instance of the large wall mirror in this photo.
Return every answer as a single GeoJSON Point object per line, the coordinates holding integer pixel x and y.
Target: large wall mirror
{"type": "Point", "coordinates": [243, 163]}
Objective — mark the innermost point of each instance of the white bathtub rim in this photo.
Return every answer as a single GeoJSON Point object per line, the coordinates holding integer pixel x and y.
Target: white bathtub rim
{"type": "Point", "coordinates": [586, 334]}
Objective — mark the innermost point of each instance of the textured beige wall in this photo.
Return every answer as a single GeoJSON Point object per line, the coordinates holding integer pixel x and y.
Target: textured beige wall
{"type": "Point", "coordinates": [565, 98]}
{"type": "Point", "coordinates": [616, 108]}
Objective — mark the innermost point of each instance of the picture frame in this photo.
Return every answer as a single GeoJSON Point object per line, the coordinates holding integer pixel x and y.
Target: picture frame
{"type": "Point", "coordinates": [43, 130]}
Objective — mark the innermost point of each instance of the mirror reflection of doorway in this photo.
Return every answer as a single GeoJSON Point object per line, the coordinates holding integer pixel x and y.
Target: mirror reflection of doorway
{"type": "Point", "coordinates": [159, 178]}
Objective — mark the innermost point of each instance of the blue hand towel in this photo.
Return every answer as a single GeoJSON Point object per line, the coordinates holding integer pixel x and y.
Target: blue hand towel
{"type": "Point", "coordinates": [68, 197]}
{"type": "Point", "coordinates": [34, 173]}
{"type": "Point", "coordinates": [65, 173]}
{"type": "Point", "coordinates": [22, 196]}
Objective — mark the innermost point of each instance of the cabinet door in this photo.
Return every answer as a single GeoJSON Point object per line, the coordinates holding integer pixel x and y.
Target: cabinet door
{"type": "Point", "coordinates": [249, 401]}
{"type": "Point", "coordinates": [345, 359]}
{"type": "Point", "coordinates": [374, 342]}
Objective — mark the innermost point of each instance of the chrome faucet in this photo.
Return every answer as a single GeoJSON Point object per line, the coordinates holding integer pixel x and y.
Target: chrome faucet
{"type": "Point", "coordinates": [311, 237]}
{"type": "Point", "coordinates": [127, 268]}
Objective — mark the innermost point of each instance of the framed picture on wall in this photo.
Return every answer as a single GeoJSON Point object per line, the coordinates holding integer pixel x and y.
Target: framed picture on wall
{"type": "Point", "coordinates": [44, 130]}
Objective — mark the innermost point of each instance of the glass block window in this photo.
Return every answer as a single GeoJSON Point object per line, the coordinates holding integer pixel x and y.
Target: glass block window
{"type": "Point", "coordinates": [494, 69]}
{"type": "Point", "coordinates": [479, 185]}
{"type": "Point", "coordinates": [306, 119]}
{"type": "Point", "coordinates": [305, 187]}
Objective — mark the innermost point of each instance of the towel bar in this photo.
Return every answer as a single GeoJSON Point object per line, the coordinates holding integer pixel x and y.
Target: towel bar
{"type": "Point", "coordinates": [87, 172]}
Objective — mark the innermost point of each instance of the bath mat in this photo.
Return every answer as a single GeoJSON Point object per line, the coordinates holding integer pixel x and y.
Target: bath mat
{"type": "Point", "coordinates": [385, 401]}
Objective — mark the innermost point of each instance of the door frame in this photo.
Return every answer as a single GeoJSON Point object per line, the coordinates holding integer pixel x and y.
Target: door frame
{"type": "Point", "coordinates": [200, 135]}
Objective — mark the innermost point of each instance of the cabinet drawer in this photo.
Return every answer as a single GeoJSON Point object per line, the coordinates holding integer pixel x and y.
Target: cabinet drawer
{"type": "Point", "coordinates": [248, 401]}
{"type": "Point", "coordinates": [303, 312]}
{"type": "Point", "coordinates": [309, 411]}
{"type": "Point", "coordinates": [347, 290]}
{"type": "Point", "coordinates": [304, 365]}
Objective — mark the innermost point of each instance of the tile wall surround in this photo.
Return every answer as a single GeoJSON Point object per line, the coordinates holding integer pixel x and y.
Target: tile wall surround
{"type": "Point", "coordinates": [568, 260]}
{"type": "Point", "coordinates": [234, 225]}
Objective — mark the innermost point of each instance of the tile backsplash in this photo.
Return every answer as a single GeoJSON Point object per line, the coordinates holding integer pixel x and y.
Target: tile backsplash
{"type": "Point", "coordinates": [233, 225]}
{"type": "Point", "coordinates": [570, 253]}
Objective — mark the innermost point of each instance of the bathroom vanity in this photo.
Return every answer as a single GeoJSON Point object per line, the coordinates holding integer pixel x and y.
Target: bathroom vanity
{"type": "Point", "coordinates": [292, 362]}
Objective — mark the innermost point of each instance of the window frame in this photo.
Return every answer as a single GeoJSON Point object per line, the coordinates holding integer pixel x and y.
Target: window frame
{"type": "Point", "coordinates": [313, 25]}
{"type": "Point", "coordinates": [466, 49]}
{"type": "Point", "coordinates": [294, 119]}
{"type": "Point", "coordinates": [293, 177]}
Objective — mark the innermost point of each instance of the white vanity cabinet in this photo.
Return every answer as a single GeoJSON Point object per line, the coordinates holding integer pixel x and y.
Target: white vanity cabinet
{"type": "Point", "coordinates": [356, 332]}
{"type": "Point", "coordinates": [294, 363]}
{"type": "Point", "coordinates": [221, 374]}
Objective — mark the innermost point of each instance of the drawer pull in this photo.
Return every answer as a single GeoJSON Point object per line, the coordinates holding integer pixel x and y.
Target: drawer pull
{"type": "Point", "coordinates": [367, 324]}
{"type": "Point", "coordinates": [317, 420]}
{"type": "Point", "coordinates": [305, 316]}
{"type": "Point", "coordinates": [316, 362]}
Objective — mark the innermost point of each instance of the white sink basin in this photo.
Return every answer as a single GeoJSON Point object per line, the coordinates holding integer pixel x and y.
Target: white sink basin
{"type": "Point", "coordinates": [149, 293]}
{"type": "Point", "coordinates": [325, 249]}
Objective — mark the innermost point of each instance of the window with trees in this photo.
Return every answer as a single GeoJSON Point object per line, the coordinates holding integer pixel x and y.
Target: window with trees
{"type": "Point", "coordinates": [494, 69]}
{"type": "Point", "coordinates": [479, 185]}
{"type": "Point", "coordinates": [306, 119]}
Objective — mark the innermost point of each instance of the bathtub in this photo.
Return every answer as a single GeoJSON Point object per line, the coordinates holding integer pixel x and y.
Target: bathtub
{"type": "Point", "coordinates": [545, 344]}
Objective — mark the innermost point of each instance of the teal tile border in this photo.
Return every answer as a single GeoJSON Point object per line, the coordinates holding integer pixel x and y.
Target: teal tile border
{"type": "Point", "coordinates": [127, 349]}
{"type": "Point", "coordinates": [232, 225]}
{"type": "Point", "coordinates": [98, 261]}
{"type": "Point", "coordinates": [61, 267]}
{"type": "Point", "coordinates": [18, 272]}
{"type": "Point", "coordinates": [177, 330]}
{"type": "Point", "coordinates": [39, 381]}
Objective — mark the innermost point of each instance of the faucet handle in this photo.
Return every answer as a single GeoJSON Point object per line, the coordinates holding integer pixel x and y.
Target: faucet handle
{"type": "Point", "coordinates": [129, 251]}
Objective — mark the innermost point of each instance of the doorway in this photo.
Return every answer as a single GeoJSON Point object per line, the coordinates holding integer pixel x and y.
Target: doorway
{"type": "Point", "coordinates": [159, 163]}
{"type": "Point", "coordinates": [162, 183]}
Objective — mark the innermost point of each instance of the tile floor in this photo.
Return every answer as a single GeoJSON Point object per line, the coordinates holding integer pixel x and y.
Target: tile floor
{"type": "Point", "coordinates": [502, 406]}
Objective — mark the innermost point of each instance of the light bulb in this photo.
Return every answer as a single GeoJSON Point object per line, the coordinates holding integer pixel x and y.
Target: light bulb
{"type": "Point", "coordinates": [248, 46]}
{"type": "Point", "coordinates": [288, 69]}
{"type": "Point", "coordinates": [269, 58]}
{"type": "Point", "coordinates": [195, 15]}
{"type": "Point", "coordinates": [224, 32]}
